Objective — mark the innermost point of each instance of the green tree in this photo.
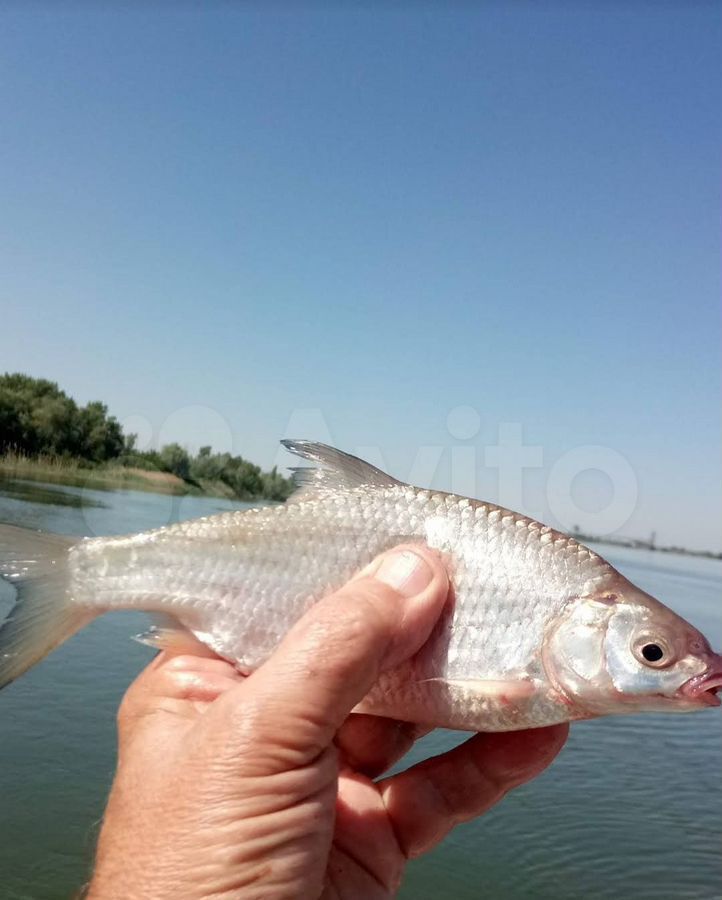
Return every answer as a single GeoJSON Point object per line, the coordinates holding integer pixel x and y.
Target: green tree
{"type": "Point", "coordinates": [175, 459]}
{"type": "Point", "coordinates": [99, 436]}
{"type": "Point", "coordinates": [38, 418]}
{"type": "Point", "coordinates": [275, 486]}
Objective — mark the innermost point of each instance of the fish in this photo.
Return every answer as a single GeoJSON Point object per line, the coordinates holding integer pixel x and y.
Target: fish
{"type": "Point", "coordinates": [537, 629]}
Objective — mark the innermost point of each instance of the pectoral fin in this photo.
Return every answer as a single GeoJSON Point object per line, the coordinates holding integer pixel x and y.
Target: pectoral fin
{"type": "Point", "coordinates": [511, 691]}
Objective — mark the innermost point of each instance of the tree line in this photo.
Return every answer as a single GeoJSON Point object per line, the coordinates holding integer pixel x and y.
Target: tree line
{"type": "Point", "coordinates": [37, 418]}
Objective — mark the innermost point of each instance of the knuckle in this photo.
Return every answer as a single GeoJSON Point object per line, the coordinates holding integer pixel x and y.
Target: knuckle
{"type": "Point", "coordinates": [369, 606]}
{"type": "Point", "coordinates": [350, 627]}
{"type": "Point", "coordinates": [441, 796]}
{"type": "Point", "coordinates": [488, 781]}
{"type": "Point", "coordinates": [184, 685]}
{"type": "Point", "coordinates": [179, 663]}
{"type": "Point", "coordinates": [246, 721]}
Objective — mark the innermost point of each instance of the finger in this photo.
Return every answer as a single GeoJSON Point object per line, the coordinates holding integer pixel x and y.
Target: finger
{"type": "Point", "coordinates": [202, 665]}
{"type": "Point", "coordinates": [297, 700]}
{"type": "Point", "coordinates": [189, 684]}
{"type": "Point", "coordinates": [371, 744]}
{"type": "Point", "coordinates": [428, 800]}
{"type": "Point", "coordinates": [177, 677]}
{"type": "Point", "coordinates": [369, 859]}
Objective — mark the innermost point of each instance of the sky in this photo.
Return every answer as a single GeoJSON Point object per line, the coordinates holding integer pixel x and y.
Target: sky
{"type": "Point", "coordinates": [477, 243]}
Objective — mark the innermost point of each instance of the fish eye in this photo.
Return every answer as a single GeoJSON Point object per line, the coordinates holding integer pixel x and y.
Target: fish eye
{"type": "Point", "coordinates": [653, 652]}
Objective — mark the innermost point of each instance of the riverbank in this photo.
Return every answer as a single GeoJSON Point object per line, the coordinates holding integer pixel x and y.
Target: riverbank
{"type": "Point", "coordinates": [46, 436]}
{"type": "Point", "coordinates": [107, 477]}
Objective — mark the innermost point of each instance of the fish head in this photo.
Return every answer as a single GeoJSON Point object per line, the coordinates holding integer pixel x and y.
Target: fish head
{"type": "Point", "coordinates": [621, 650]}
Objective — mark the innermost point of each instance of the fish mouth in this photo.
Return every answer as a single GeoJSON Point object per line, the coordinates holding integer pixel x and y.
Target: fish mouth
{"type": "Point", "coordinates": [704, 688]}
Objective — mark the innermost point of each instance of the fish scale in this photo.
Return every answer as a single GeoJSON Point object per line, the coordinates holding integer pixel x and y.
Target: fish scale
{"type": "Point", "coordinates": [494, 590]}
{"type": "Point", "coordinates": [538, 629]}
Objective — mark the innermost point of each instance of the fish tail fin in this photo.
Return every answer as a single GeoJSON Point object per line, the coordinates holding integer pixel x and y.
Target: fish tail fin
{"type": "Point", "coordinates": [43, 615]}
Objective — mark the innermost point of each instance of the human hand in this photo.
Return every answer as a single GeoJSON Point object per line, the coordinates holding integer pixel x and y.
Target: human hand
{"type": "Point", "coordinates": [261, 787]}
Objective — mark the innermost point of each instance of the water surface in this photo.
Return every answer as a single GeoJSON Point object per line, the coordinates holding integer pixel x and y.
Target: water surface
{"type": "Point", "coordinates": [632, 808]}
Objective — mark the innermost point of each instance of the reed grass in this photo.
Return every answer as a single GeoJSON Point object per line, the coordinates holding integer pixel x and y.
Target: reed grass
{"type": "Point", "coordinates": [107, 477]}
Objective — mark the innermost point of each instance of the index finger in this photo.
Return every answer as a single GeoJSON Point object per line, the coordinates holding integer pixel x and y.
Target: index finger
{"type": "Point", "coordinates": [426, 801]}
{"type": "Point", "coordinates": [371, 744]}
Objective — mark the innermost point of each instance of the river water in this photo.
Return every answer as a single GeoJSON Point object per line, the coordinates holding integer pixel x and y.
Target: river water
{"type": "Point", "coordinates": [631, 809]}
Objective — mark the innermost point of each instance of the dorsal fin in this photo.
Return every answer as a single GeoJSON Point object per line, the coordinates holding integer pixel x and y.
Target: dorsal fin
{"type": "Point", "coordinates": [334, 471]}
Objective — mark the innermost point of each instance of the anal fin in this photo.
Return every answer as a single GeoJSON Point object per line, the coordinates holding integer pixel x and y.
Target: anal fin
{"type": "Point", "coordinates": [172, 636]}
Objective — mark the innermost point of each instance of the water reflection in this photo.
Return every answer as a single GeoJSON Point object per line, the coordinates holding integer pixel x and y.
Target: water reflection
{"type": "Point", "coordinates": [40, 492]}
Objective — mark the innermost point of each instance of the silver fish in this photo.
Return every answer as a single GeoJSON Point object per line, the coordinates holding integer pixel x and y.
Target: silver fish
{"type": "Point", "coordinates": [539, 629]}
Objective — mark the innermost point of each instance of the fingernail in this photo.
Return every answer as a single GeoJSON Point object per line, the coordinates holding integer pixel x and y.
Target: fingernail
{"type": "Point", "coordinates": [405, 571]}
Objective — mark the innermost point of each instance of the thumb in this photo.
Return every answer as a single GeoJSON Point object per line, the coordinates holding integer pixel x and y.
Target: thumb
{"type": "Point", "coordinates": [290, 709]}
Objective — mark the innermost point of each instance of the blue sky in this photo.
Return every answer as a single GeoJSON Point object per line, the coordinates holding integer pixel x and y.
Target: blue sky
{"type": "Point", "coordinates": [354, 220]}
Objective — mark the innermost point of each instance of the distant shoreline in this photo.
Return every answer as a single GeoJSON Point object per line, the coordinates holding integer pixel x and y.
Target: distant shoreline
{"type": "Point", "coordinates": [46, 436]}
{"type": "Point", "coordinates": [633, 544]}
{"type": "Point", "coordinates": [111, 477]}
